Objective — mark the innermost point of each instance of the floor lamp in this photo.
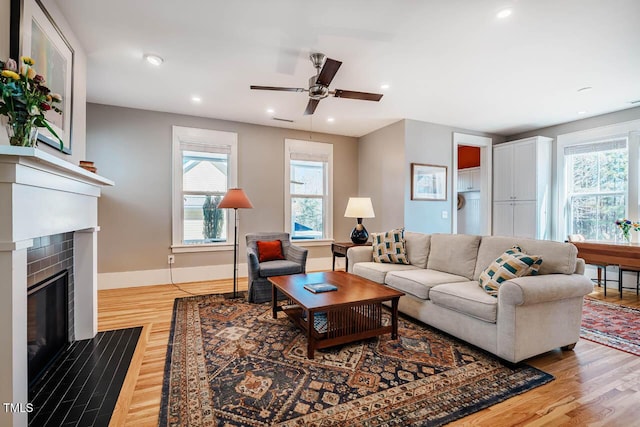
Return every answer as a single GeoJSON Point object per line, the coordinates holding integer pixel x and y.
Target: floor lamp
{"type": "Point", "coordinates": [235, 199]}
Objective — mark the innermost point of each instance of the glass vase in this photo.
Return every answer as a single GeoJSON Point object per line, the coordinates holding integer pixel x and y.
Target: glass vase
{"type": "Point", "coordinates": [627, 236]}
{"type": "Point", "coordinates": [22, 134]}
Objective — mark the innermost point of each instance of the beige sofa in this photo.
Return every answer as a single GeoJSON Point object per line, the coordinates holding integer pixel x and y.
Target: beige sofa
{"type": "Point", "coordinates": [530, 316]}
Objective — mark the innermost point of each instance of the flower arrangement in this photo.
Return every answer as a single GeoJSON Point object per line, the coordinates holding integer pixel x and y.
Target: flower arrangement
{"type": "Point", "coordinates": [24, 99]}
{"type": "Point", "coordinates": [626, 226]}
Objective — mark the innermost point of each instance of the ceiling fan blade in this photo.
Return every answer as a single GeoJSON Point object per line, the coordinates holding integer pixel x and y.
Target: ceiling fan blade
{"type": "Point", "coordinates": [311, 106]}
{"type": "Point", "coordinates": [365, 96]}
{"type": "Point", "coordinates": [282, 89]}
{"type": "Point", "coordinates": [328, 72]}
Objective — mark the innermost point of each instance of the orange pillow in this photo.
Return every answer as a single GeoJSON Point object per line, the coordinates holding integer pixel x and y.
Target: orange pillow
{"type": "Point", "coordinates": [269, 251]}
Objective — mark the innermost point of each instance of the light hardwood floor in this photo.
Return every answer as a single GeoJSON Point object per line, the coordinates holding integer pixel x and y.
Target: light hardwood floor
{"type": "Point", "coordinates": [594, 385]}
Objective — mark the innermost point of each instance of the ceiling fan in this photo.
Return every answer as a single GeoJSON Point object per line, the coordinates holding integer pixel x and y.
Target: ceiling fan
{"type": "Point", "coordinates": [326, 69]}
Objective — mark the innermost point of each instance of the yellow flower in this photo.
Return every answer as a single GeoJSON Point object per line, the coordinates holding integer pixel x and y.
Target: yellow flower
{"type": "Point", "coordinates": [28, 71]}
{"type": "Point", "coordinates": [13, 75]}
{"type": "Point", "coordinates": [27, 60]}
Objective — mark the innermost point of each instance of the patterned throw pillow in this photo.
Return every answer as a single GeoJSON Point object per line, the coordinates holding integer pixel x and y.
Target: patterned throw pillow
{"type": "Point", "coordinates": [511, 264]}
{"type": "Point", "coordinates": [389, 247]}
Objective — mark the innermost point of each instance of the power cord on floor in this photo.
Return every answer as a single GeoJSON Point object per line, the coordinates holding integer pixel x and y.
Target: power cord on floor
{"type": "Point", "coordinates": [176, 285]}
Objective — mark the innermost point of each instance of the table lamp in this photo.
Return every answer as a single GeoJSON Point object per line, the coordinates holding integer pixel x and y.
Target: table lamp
{"type": "Point", "coordinates": [359, 207]}
{"type": "Point", "coordinates": [235, 199]}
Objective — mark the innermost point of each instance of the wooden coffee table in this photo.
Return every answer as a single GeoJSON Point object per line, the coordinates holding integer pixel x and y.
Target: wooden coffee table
{"type": "Point", "coordinates": [352, 313]}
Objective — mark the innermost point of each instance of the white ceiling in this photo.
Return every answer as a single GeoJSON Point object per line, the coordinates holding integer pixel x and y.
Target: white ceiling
{"type": "Point", "coordinates": [450, 61]}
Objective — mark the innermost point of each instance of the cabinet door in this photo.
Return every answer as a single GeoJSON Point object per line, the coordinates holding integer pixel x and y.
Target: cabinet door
{"type": "Point", "coordinates": [503, 173]}
{"type": "Point", "coordinates": [503, 219]}
{"type": "Point", "coordinates": [524, 168]}
{"type": "Point", "coordinates": [463, 180]}
{"type": "Point", "coordinates": [524, 219]}
{"type": "Point", "coordinates": [474, 177]}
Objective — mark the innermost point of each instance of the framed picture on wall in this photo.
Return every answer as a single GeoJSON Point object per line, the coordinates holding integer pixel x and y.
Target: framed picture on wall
{"type": "Point", "coordinates": [428, 182]}
{"type": "Point", "coordinates": [34, 33]}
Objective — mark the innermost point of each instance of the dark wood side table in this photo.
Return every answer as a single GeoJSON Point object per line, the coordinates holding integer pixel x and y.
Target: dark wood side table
{"type": "Point", "coordinates": [339, 249]}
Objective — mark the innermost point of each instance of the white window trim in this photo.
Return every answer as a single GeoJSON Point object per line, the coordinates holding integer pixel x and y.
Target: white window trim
{"type": "Point", "coordinates": [630, 130]}
{"type": "Point", "coordinates": [202, 136]}
{"type": "Point", "coordinates": [322, 148]}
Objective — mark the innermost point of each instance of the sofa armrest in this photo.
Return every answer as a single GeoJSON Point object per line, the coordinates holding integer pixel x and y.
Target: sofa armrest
{"type": "Point", "coordinates": [547, 287]}
{"type": "Point", "coordinates": [359, 254]}
{"type": "Point", "coordinates": [298, 255]}
{"type": "Point", "coordinates": [580, 265]}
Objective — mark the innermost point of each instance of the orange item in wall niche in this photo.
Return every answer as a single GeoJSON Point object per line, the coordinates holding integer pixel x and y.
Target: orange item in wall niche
{"type": "Point", "coordinates": [468, 157]}
{"type": "Point", "coordinates": [269, 251]}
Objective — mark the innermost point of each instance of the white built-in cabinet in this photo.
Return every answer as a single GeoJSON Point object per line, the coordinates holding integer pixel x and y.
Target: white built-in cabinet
{"type": "Point", "coordinates": [522, 188]}
{"type": "Point", "coordinates": [469, 179]}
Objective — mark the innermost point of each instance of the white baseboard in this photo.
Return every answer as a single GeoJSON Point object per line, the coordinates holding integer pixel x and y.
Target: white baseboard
{"type": "Point", "coordinates": [129, 279]}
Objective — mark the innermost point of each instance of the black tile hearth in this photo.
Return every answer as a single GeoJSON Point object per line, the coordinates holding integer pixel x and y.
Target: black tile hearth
{"type": "Point", "coordinates": [81, 388]}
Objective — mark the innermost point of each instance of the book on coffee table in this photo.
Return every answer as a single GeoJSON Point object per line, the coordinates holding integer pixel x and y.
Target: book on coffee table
{"type": "Point", "coordinates": [320, 287]}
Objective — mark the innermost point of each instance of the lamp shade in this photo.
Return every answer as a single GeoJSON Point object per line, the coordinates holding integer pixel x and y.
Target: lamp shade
{"type": "Point", "coordinates": [235, 198]}
{"type": "Point", "coordinates": [359, 207]}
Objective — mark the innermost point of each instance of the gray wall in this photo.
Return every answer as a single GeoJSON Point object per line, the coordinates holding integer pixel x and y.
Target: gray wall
{"type": "Point", "coordinates": [380, 176]}
{"type": "Point", "coordinates": [385, 174]}
{"type": "Point", "coordinates": [430, 143]}
{"type": "Point", "coordinates": [133, 147]}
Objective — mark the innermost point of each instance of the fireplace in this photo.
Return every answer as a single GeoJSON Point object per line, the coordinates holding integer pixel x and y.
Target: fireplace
{"type": "Point", "coordinates": [47, 323]}
{"type": "Point", "coordinates": [43, 195]}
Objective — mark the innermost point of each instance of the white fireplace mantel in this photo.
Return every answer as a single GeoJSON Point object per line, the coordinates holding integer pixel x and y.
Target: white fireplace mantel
{"type": "Point", "coordinates": [41, 195]}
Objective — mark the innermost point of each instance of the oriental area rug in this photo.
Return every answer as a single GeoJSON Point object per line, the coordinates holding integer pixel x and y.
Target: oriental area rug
{"type": "Point", "coordinates": [229, 363]}
{"type": "Point", "coordinates": [612, 325]}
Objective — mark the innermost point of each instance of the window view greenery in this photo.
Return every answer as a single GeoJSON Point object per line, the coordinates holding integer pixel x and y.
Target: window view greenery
{"type": "Point", "coordinates": [308, 195]}
{"type": "Point", "coordinates": [204, 178]}
{"type": "Point", "coordinates": [597, 178]}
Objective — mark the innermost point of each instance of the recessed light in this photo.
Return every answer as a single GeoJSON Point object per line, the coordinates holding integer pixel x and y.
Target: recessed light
{"type": "Point", "coordinates": [585, 89]}
{"type": "Point", "coordinates": [504, 13]}
{"type": "Point", "coordinates": [153, 59]}
{"type": "Point", "coordinates": [270, 111]}
{"type": "Point", "coordinates": [384, 86]}
{"type": "Point", "coordinates": [331, 119]}
{"type": "Point", "coordinates": [196, 98]}
{"type": "Point", "coordinates": [582, 112]}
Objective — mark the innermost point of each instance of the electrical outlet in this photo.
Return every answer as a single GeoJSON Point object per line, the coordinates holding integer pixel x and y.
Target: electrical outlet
{"type": "Point", "coordinates": [445, 214]}
{"type": "Point", "coordinates": [171, 259]}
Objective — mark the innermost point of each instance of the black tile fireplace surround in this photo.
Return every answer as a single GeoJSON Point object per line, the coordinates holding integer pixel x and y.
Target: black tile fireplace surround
{"type": "Point", "coordinates": [47, 323]}
{"type": "Point", "coordinates": [48, 256]}
{"type": "Point", "coordinates": [50, 264]}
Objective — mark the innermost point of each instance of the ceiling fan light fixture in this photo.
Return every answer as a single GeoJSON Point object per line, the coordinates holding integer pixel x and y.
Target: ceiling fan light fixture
{"type": "Point", "coordinates": [153, 59]}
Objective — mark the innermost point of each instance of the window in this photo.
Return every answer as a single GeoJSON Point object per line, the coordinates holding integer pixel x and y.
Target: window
{"type": "Point", "coordinates": [308, 190]}
{"type": "Point", "coordinates": [204, 167]}
{"type": "Point", "coordinates": [597, 176]}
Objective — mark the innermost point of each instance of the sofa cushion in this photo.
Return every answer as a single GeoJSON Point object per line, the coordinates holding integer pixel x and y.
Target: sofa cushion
{"type": "Point", "coordinates": [467, 298]}
{"type": "Point", "coordinates": [559, 258]}
{"type": "Point", "coordinates": [418, 282]}
{"type": "Point", "coordinates": [389, 247]}
{"type": "Point", "coordinates": [279, 268]}
{"type": "Point", "coordinates": [511, 264]}
{"type": "Point", "coordinates": [417, 245]}
{"type": "Point", "coordinates": [454, 253]}
{"type": "Point", "coordinates": [376, 271]}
